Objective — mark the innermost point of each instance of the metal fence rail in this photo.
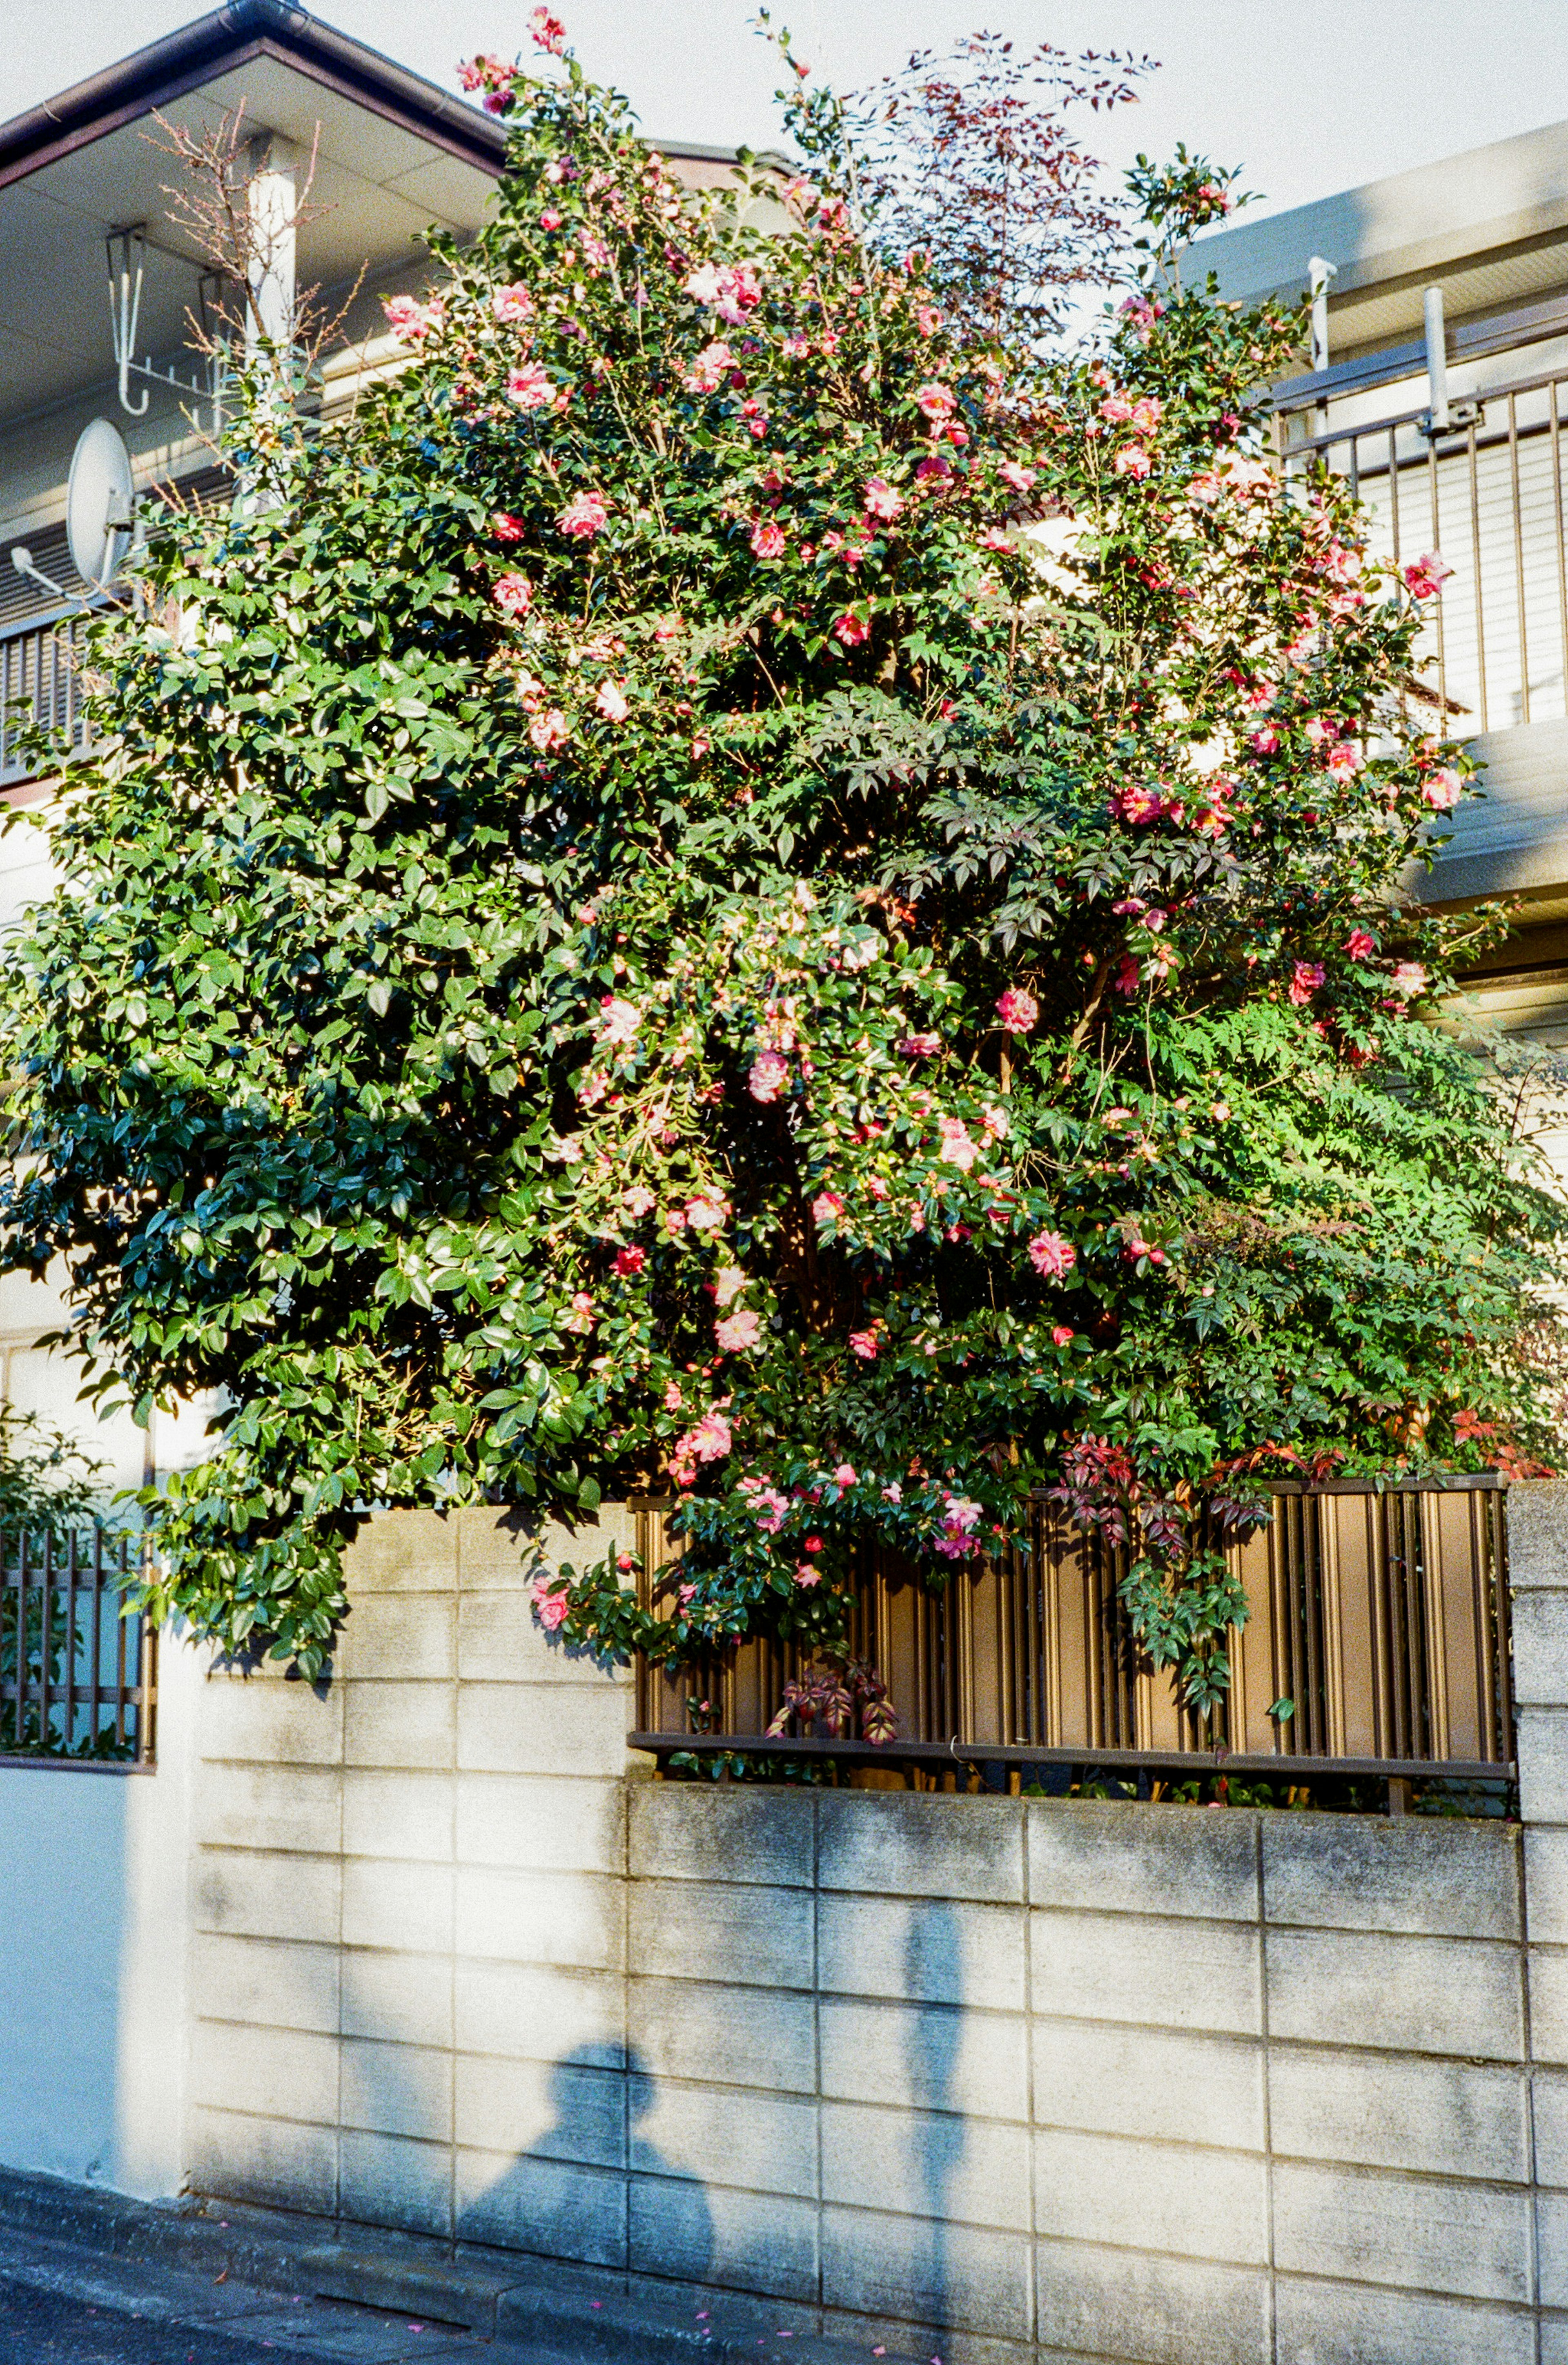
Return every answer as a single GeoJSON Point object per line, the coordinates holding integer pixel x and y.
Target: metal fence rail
{"type": "Point", "coordinates": [1376, 1640]}
{"type": "Point", "coordinates": [1488, 495]}
{"type": "Point", "coordinates": [39, 685]}
{"type": "Point", "coordinates": [78, 1678]}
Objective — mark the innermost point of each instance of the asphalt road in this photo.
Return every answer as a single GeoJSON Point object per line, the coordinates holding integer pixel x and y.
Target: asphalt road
{"type": "Point", "coordinates": [38, 2325]}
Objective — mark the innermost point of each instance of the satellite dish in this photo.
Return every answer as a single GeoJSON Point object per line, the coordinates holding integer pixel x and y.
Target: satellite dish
{"type": "Point", "coordinates": [98, 504]}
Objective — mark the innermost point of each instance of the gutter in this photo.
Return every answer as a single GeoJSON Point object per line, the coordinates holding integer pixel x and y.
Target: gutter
{"type": "Point", "coordinates": [234, 36]}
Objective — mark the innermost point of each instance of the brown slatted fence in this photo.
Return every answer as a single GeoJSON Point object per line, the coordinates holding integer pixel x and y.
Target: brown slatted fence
{"type": "Point", "coordinates": [1376, 1639]}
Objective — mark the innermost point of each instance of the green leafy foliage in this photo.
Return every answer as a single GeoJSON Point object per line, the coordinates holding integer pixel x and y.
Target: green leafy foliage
{"type": "Point", "coordinates": [736, 885]}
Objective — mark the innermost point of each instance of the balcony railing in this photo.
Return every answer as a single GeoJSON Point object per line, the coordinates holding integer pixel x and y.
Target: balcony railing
{"type": "Point", "coordinates": [1488, 496]}
{"type": "Point", "coordinates": [78, 1678]}
{"type": "Point", "coordinates": [1376, 1643]}
{"type": "Point", "coordinates": [39, 685]}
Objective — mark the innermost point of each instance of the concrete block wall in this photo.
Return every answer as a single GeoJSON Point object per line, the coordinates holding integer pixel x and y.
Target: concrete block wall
{"type": "Point", "coordinates": [1078, 2081]}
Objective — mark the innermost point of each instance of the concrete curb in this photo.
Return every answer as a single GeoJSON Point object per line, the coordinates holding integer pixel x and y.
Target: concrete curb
{"type": "Point", "coordinates": [573, 2312]}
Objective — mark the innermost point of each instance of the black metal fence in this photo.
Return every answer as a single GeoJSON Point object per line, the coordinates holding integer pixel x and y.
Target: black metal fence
{"type": "Point", "coordinates": [78, 1677]}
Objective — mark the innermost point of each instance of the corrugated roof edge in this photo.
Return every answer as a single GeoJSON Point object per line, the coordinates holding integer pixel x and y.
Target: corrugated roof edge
{"type": "Point", "coordinates": [167, 69]}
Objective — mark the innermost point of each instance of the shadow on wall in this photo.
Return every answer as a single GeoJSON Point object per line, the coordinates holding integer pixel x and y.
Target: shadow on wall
{"type": "Point", "coordinates": [934, 1967]}
{"type": "Point", "coordinates": [569, 2195]}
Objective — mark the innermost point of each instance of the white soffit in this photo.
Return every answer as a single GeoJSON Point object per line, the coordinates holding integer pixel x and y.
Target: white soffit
{"type": "Point", "coordinates": [378, 185]}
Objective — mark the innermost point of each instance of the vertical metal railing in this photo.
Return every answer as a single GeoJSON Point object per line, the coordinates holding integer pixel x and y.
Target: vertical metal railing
{"type": "Point", "coordinates": [78, 1677]}
{"type": "Point", "coordinates": [1377, 1630]}
{"type": "Point", "coordinates": [39, 688]}
{"type": "Point", "coordinates": [1494, 646]}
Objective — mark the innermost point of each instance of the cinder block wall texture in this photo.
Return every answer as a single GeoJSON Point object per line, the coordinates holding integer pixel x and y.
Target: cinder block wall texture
{"type": "Point", "coordinates": [1094, 2081]}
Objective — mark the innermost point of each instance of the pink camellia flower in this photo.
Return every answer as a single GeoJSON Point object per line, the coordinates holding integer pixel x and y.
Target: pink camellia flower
{"type": "Point", "coordinates": [629, 1262]}
{"type": "Point", "coordinates": [956, 1149]}
{"type": "Point", "coordinates": [1014, 473]}
{"type": "Point", "coordinates": [582, 1317]}
{"type": "Point", "coordinates": [1133, 460]}
{"type": "Point", "coordinates": [1061, 1336]}
{"type": "Point", "coordinates": [771, 1507]}
{"type": "Point", "coordinates": [1360, 945]}
{"type": "Point", "coordinates": [769, 1074]}
{"type": "Point", "coordinates": [1410, 979]}
{"type": "Point", "coordinates": [728, 1282]}
{"type": "Point", "coordinates": [1442, 790]}
{"type": "Point", "coordinates": [1051, 1255]}
{"type": "Point", "coordinates": [1265, 741]}
{"type": "Point", "coordinates": [919, 1046]}
{"type": "Point", "coordinates": [1147, 413]}
{"type": "Point", "coordinates": [639, 1201]}
{"type": "Point", "coordinates": [612, 701]}
{"type": "Point", "coordinates": [851, 630]}
{"type": "Point", "coordinates": [549, 218]}
{"type": "Point", "coordinates": [1117, 408]}
{"type": "Point", "coordinates": [709, 1441]}
{"type": "Point", "coordinates": [547, 31]}
{"type": "Point", "coordinates": [1306, 979]}
{"type": "Point", "coordinates": [410, 320]}
{"type": "Point", "coordinates": [513, 595]}
{"type": "Point", "coordinates": [737, 1331]}
{"type": "Point", "coordinates": [513, 303]}
{"type": "Point", "coordinates": [995, 537]}
{"type": "Point", "coordinates": [881, 500]}
{"type": "Point", "coordinates": [864, 1344]}
{"type": "Point", "coordinates": [583, 516]}
{"type": "Point", "coordinates": [936, 402]}
{"type": "Point", "coordinates": [530, 386]}
{"type": "Point", "coordinates": [927, 320]}
{"type": "Point", "coordinates": [549, 1608]}
{"type": "Point", "coordinates": [1018, 1010]}
{"type": "Point", "coordinates": [937, 471]}
{"type": "Point", "coordinates": [507, 527]}
{"type": "Point", "coordinates": [618, 1021]}
{"type": "Point", "coordinates": [705, 1214]}
{"type": "Point", "coordinates": [806, 1576]}
{"type": "Point", "coordinates": [1344, 761]}
{"type": "Point", "coordinates": [826, 1206]}
{"type": "Point", "coordinates": [673, 1397]}
{"type": "Point", "coordinates": [1426, 574]}
{"type": "Point", "coordinates": [845, 1476]}
{"type": "Point", "coordinates": [768, 540]}
{"type": "Point", "coordinates": [957, 1539]}
{"type": "Point", "coordinates": [675, 1221]}
{"type": "Point", "coordinates": [710, 369]}
{"type": "Point", "coordinates": [549, 731]}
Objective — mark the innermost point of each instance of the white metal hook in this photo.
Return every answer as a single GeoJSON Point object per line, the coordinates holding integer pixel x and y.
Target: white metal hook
{"type": "Point", "coordinates": [127, 249]}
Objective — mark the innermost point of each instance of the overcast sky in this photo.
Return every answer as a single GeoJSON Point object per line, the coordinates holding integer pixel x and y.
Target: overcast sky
{"type": "Point", "coordinates": [1309, 97]}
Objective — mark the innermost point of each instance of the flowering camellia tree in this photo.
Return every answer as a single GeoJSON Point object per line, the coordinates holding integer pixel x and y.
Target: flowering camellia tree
{"type": "Point", "coordinates": [738, 888]}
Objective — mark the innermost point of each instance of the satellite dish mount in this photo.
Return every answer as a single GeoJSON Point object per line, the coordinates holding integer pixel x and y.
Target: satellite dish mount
{"type": "Point", "coordinates": [100, 504]}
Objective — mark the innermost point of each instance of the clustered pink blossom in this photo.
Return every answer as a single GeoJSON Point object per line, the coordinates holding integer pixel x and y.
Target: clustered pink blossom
{"type": "Point", "coordinates": [936, 402]}
{"type": "Point", "coordinates": [508, 527]}
{"type": "Point", "coordinates": [630, 1262]}
{"type": "Point", "coordinates": [958, 1149]}
{"type": "Point", "coordinates": [550, 730]}
{"type": "Point", "coordinates": [530, 386]}
{"type": "Point", "coordinates": [1443, 789]}
{"type": "Point", "coordinates": [706, 1214]}
{"type": "Point", "coordinates": [1360, 945]}
{"type": "Point", "coordinates": [549, 1607]}
{"type": "Point", "coordinates": [728, 1282]}
{"type": "Point", "coordinates": [770, 1507]}
{"type": "Point", "coordinates": [513, 303]}
{"type": "Point", "coordinates": [960, 1517]}
{"type": "Point", "coordinates": [638, 1201]}
{"type": "Point", "coordinates": [709, 1441]}
{"type": "Point", "coordinates": [738, 1332]}
{"type": "Point", "coordinates": [582, 1317]}
{"type": "Point", "coordinates": [731, 291]}
{"type": "Point", "coordinates": [1410, 979]}
{"type": "Point", "coordinates": [513, 595]}
{"type": "Point", "coordinates": [826, 1206]}
{"type": "Point", "coordinates": [881, 500]}
{"type": "Point", "coordinates": [493, 76]}
{"type": "Point", "coordinates": [547, 31]}
{"type": "Point", "coordinates": [618, 1021]}
{"type": "Point", "coordinates": [1051, 1255]}
{"type": "Point", "coordinates": [612, 701]}
{"type": "Point", "coordinates": [1018, 1010]}
{"type": "Point", "coordinates": [410, 320]}
{"type": "Point", "coordinates": [919, 1046]}
{"type": "Point", "coordinates": [583, 516]}
{"type": "Point", "coordinates": [768, 540]}
{"type": "Point", "coordinates": [864, 1343]}
{"type": "Point", "coordinates": [1305, 978]}
{"type": "Point", "coordinates": [769, 1074]}
{"type": "Point", "coordinates": [851, 629]}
